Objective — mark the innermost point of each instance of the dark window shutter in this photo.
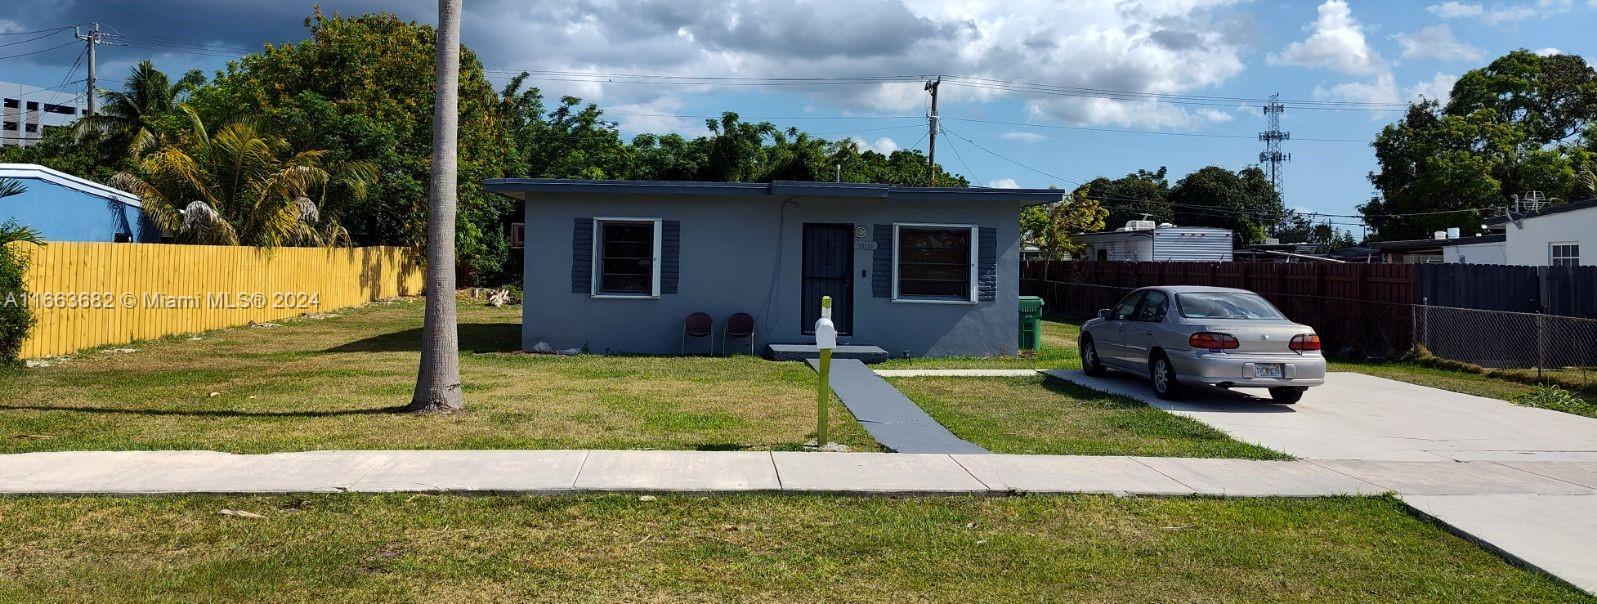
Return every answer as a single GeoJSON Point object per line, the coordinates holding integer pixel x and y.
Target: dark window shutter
{"type": "Point", "coordinates": [670, 255]}
{"type": "Point", "coordinates": [987, 264]}
{"type": "Point", "coordinates": [882, 262]}
{"type": "Point", "coordinates": [582, 256]}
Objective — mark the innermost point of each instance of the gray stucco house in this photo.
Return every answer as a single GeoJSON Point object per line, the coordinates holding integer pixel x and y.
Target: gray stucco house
{"type": "Point", "coordinates": [616, 266]}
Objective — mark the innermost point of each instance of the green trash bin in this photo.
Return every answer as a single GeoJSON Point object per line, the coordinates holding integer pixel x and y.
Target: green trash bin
{"type": "Point", "coordinates": [1030, 323]}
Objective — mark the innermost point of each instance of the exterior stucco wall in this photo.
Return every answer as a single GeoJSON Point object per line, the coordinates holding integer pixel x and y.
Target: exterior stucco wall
{"type": "Point", "coordinates": [744, 254]}
{"type": "Point", "coordinates": [62, 214]}
{"type": "Point", "coordinates": [1528, 242]}
{"type": "Point", "coordinates": [1476, 253]}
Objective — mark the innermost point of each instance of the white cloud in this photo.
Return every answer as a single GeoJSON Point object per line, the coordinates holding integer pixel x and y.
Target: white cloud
{"type": "Point", "coordinates": [1550, 51]}
{"type": "Point", "coordinates": [1003, 183]}
{"type": "Point", "coordinates": [1336, 41]}
{"type": "Point", "coordinates": [1022, 136]}
{"type": "Point", "coordinates": [8, 26]}
{"type": "Point", "coordinates": [1500, 12]}
{"type": "Point", "coordinates": [882, 145]}
{"type": "Point", "coordinates": [1436, 42]}
{"type": "Point", "coordinates": [1438, 88]}
{"type": "Point", "coordinates": [1384, 89]}
{"type": "Point", "coordinates": [1214, 116]}
{"type": "Point", "coordinates": [1146, 47]}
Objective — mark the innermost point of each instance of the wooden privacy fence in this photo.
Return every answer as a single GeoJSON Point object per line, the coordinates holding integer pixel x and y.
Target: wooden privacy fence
{"type": "Point", "coordinates": [93, 294]}
{"type": "Point", "coordinates": [1356, 308]}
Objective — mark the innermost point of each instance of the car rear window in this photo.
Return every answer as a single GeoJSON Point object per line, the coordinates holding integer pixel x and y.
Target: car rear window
{"type": "Point", "coordinates": [1225, 305]}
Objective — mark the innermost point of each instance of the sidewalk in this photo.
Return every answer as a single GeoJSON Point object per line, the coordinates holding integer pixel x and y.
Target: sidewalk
{"type": "Point", "coordinates": [150, 472]}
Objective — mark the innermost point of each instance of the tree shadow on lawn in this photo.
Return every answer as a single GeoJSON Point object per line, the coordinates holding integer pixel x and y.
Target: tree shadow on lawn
{"type": "Point", "coordinates": [474, 337]}
{"type": "Point", "coordinates": [208, 412]}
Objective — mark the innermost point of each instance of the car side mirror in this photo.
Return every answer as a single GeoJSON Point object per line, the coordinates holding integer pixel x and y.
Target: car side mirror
{"type": "Point", "coordinates": [1103, 313]}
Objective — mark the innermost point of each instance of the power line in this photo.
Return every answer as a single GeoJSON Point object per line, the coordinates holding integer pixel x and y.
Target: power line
{"type": "Point", "coordinates": [72, 43]}
{"type": "Point", "coordinates": [37, 31]}
{"type": "Point", "coordinates": [41, 37]}
{"type": "Point", "coordinates": [1134, 131]}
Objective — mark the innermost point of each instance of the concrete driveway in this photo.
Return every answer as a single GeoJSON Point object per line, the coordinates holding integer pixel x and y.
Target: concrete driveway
{"type": "Point", "coordinates": [1519, 480]}
{"type": "Point", "coordinates": [1357, 416]}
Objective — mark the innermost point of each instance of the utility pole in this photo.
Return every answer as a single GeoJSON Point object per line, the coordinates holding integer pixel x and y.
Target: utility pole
{"type": "Point", "coordinates": [934, 123]}
{"type": "Point", "coordinates": [93, 39]}
{"type": "Point", "coordinates": [1272, 155]}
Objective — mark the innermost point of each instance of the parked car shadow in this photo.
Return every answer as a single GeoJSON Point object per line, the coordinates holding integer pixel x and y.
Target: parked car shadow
{"type": "Point", "coordinates": [474, 337]}
{"type": "Point", "coordinates": [1192, 398]}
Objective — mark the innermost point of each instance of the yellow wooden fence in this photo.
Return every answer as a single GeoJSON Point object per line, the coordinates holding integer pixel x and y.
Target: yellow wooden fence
{"type": "Point", "coordinates": [93, 294]}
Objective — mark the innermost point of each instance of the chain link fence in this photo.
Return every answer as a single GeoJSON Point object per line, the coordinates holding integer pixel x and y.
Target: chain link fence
{"type": "Point", "coordinates": [1550, 346]}
{"type": "Point", "coordinates": [1553, 348]}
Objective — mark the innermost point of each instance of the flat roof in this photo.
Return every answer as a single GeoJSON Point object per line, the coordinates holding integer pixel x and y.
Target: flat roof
{"type": "Point", "coordinates": [780, 188]}
{"type": "Point", "coordinates": [1558, 209]}
{"type": "Point", "coordinates": [1420, 244]}
{"type": "Point", "coordinates": [1176, 229]}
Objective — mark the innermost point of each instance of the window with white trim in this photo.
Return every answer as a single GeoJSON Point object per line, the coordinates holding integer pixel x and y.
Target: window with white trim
{"type": "Point", "coordinates": [934, 263]}
{"type": "Point", "coordinates": [626, 257]}
{"type": "Point", "coordinates": [1563, 254]}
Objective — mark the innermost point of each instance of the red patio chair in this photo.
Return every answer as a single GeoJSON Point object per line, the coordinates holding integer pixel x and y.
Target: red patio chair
{"type": "Point", "coordinates": [740, 325]}
{"type": "Point", "coordinates": [698, 325]}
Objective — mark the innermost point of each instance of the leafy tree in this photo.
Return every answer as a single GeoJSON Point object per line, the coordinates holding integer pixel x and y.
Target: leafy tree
{"type": "Point", "coordinates": [240, 187]}
{"type": "Point", "coordinates": [570, 141]}
{"type": "Point", "coordinates": [1243, 201]}
{"type": "Point", "coordinates": [361, 90]}
{"type": "Point", "coordinates": [1523, 123]}
{"type": "Point", "coordinates": [137, 117]}
{"type": "Point", "coordinates": [1050, 226]}
{"type": "Point", "coordinates": [1134, 195]}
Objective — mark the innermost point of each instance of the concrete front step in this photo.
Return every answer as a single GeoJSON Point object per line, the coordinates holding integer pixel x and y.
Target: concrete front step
{"type": "Point", "coordinates": [799, 352]}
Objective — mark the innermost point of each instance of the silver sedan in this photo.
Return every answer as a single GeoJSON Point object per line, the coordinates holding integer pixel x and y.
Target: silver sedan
{"type": "Point", "coordinates": [1214, 336]}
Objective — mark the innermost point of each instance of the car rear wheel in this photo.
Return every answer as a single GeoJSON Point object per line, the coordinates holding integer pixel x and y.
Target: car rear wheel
{"type": "Point", "coordinates": [1287, 395]}
{"type": "Point", "coordinates": [1090, 363]}
{"type": "Point", "coordinates": [1164, 378]}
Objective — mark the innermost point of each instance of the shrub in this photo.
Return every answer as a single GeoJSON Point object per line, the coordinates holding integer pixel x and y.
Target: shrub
{"type": "Point", "coordinates": [15, 316]}
{"type": "Point", "coordinates": [1556, 399]}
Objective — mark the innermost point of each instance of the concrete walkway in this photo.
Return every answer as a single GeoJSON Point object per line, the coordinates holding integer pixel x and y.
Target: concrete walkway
{"type": "Point", "coordinates": [887, 415]}
{"type": "Point", "coordinates": [146, 472]}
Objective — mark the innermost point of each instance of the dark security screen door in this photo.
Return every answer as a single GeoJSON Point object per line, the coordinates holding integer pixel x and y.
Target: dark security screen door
{"type": "Point", "coordinates": [828, 271]}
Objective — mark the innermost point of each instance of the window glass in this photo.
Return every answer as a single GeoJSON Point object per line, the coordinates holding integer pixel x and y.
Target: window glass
{"type": "Point", "coordinates": [626, 258]}
{"type": "Point", "coordinates": [934, 262]}
{"type": "Point", "coordinates": [1565, 254]}
{"type": "Point", "coordinates": [1153, 307]}
{"type": "Point", "coordinates": [1126, 306]}
{"type": "Point", "coordinates": [1225, 305]}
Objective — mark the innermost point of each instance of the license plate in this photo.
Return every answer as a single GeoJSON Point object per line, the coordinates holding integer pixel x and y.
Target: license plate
{"type": "Point", "coordinates": [1267, 370]}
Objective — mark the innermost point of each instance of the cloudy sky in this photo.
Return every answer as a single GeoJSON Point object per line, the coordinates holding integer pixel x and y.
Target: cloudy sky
{"type": "Point", "coordinates": [1040, 92]}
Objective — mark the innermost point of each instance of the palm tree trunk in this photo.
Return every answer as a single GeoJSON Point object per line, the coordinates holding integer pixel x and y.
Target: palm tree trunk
{"type": "Point", "coordinates": [438, 380]}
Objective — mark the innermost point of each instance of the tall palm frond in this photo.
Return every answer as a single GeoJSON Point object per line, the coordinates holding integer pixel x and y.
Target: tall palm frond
{"type": "Point", "coordinates": [11, 186]}
{"type": "Point", "coordinates": [11, 232]}
{"type": "Point", "coordinates": [240, 186]}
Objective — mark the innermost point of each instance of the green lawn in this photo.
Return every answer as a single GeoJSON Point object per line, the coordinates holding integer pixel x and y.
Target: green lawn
{"type": "Point", "coordinates": [334, 383]}
{"type": "Point", "coordinates": [1058, 352]}
{"type": "Point", "coordinates": [743, 548]}
{"type": "Point", "coordinates": [1033, 415]}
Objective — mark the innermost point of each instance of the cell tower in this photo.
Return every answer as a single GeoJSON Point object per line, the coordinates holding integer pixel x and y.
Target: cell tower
{"type": "Point", "coordinates": [1272, 155]}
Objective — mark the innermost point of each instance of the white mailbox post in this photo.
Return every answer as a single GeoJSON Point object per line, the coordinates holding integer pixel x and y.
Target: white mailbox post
{"type": "Point", "coordinates": [825, 341]}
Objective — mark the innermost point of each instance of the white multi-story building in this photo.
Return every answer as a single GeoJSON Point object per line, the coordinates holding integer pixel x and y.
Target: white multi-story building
{"type": "Point", "coordinates": [26, 112]}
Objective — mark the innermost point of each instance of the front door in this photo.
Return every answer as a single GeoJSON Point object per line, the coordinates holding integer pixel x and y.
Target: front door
{"type": "Point", "coordinates": [828, 271]}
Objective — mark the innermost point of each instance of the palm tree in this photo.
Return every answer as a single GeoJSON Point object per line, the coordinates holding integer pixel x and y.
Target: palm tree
{"type": "Point", "coordinates": [10, 231]}
{"type": "Point", "coordinates": [240, 187]}
{"type": "Point", "coordinates": [438, 387]}
{"type": "Point", "coordinates": [128, 119]}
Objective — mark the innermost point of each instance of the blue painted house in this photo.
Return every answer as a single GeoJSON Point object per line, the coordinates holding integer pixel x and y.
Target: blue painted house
{"type": "Point", "coordinates": [616, 266]}
{"type": "Point", "coordinates": [63, 207]}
